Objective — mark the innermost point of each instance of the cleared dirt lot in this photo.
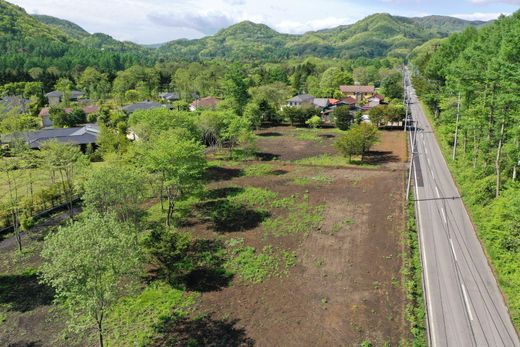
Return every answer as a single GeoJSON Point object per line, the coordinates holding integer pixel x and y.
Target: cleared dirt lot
{"type": "Point", "coordinates": [346, 285]}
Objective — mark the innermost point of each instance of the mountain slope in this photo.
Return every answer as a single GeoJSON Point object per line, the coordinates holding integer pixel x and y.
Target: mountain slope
{"type": "Point", "coordinates": [375, 36]}
{"type": "Point", "coordinates": [69, 28]}
{"type": "Point", "coordinates": [31, 49]}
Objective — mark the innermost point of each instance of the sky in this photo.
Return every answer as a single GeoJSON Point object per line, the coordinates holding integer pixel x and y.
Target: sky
{"type": "Point", "coordinates": [157, 21]}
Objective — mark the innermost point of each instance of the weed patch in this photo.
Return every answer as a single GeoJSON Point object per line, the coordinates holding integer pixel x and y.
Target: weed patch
{"type": "Point", "coordinates": [258, 170]}
{"type": "Point", "coordinates": [256, 267]}
{"type": "Point", "coordinates": [319, 179]}
{"type": "Point", "coordinates": [134, 320]}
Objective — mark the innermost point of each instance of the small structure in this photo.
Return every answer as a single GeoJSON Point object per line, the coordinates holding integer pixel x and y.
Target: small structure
{"type": "Point", "coordinates": [45, 113]}
{"type": "Point", "coordinates": [170, 97]}
{"type": "Point", "coordinates": [12, 102]}
{"type": "Point", "coordinates": [358, 92]}
{"type": "Point", "coordinates": [56, 96]}
{"type": "Point", "coordinates": [300, 100]}
{"type": "Point", "coordinates": [81, 136]}
{"type": "Point", "coordinates": [145, 105]}
{"type": "Point", "coordinates": [207, 102]}
{"type": "Point", "coordinates": [321, 103]}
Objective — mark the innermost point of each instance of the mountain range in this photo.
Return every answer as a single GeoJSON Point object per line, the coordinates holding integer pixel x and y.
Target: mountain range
{"type": "Point", "coordinates": [28, 42]}
{"type": "Point", "coordinates": [377, 35]}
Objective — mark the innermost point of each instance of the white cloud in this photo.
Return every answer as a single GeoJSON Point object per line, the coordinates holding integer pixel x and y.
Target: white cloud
{"type": "Point", "coordinates": [207, 24]}
{"type": "Point", "coordinates": [298, 27]}
{"type": "Point", "coordinates": [479, 16]}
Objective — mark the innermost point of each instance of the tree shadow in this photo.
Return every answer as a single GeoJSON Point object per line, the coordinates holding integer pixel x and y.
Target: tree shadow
{"type": "Point", "coordinates": [207, 274]}
{"type": "Point", "coordinates": [204, 331]}
{"type": "Point", "coordinates": [380, 157]}
{"type": "Point", "coordinates": [267, 156]}
{"type": "Point", "coordinates": [26, 344]}
{"type": "Point", "coordinates": [279, 172]}
{"type": "Point", "coordinates": [24, 293]}
{"type": "Point", "coordinates": [327, 136]}
{"type": "Point", "coordinates": [218, 173]}
{"type": "Point", "coordinates": [269, 134]}
{"type": "Point", "coordinates": [227, 216]}
{"type": "Point", "coordinates": [222, 193]}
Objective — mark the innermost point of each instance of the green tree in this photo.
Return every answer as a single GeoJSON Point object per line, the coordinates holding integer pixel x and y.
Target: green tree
{"type": "Point", "coordinates": [63, 160]}
{"type": "Point", "coordinates": [343, 117]}
{"type": "Point", "coordinates": [115, 188]}
{"type": "Point", "coordinates": [94, 83]}
{"type": "Point", "coordinates": [331, 79]}
{"type": "Point", "coordinates": [90, 264]}
{"type": "Point", "coordinates": [358, 140]}
{"type": "Point", "coordinates": [393, 85]}
{"type": "Point", "coordinates": [314, 122]}
{"type": "Point", "coordinates": [236, 86]}
{"type": "Point", "coordinates": [178, 161]}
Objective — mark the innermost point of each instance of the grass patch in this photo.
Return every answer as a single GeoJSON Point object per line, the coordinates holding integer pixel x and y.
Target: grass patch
{"type": "Point", "coordinates": [255, 267]}
{"type": "Point", "coordinates": [134, 320]}
{"type": "Point", "coordinates": [305, 181]}
{"type": "Point", "coordinates": [302, 219]}
{"type": "Point", "coordinates": [332, 160]}
{"type": "Point", "coordinates": [255, 197]}
{"type": "Point", "coordinates": [258, 170]}
{"type": "Point", "coordinates": [307, 135]}
{"type": "Point", "coordinates": [412, 273]}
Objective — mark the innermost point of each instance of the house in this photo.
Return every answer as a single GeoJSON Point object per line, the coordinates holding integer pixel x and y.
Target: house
{"type": "Point", "coordinates": [299, 100]}
{"type": "Point", "coordinates": [145, 105]}
{"type": "Point", "coordinates": [46, 119]}
{"type": "Point", "coordinates": [358, 92]}
{"type": "Point", "coordinates": [17, 102]}
{"type": "Point", "coordinates": [55, 97]}
{"type": "Point", "coordinates": [170, 97]}
{"type": "Point", "coordinates": [81, 136]}
{"type": "Point", "coordinates": [207, 102]}
{"type": "Point", "coordinates": [321, 103]}
{"type": "Point", "coordinates": [348, 101]}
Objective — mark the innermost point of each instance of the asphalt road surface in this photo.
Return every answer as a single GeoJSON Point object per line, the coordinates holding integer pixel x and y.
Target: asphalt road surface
{"type": "Point", "coordinates": [464, 305]}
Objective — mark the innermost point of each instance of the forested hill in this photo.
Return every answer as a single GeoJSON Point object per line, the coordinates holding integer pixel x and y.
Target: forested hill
{"type": "Point", "coordinates": [375, 36]}
{"type": "Point", "coordinates": [71, 29]}
{"type": "Point", "coordinates": [483, 67]}
{"type": "Point", "coordinates": [33, 50]}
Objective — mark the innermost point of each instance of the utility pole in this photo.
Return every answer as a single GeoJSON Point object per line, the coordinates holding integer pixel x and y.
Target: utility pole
{"type": "Point", "coordinates": [456, 129]}
{"type": "Point", "coordinates": [412, 160]}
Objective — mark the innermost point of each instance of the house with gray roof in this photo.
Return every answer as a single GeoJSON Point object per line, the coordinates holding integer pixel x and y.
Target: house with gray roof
{"type": "Point", "coordinates": [145, 105]}
{"type": "Point", "coordinates": [299, 100]}
{"type": "Point", "coordinates": [168, 96]}
{"type": "Point", "coordinates": [81, 136]}
{"type": "Point", "coordinates": [55, 97]}
{"type": "Point", "coordinates": [15, 102]}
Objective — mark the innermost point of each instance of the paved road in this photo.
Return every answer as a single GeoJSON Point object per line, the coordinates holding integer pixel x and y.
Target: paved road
{"type": "Point", "coordinates": [464, 304]}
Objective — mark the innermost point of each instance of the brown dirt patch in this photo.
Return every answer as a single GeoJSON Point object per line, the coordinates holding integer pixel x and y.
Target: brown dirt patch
{"type": "Point", "coordinates": [346, 285]}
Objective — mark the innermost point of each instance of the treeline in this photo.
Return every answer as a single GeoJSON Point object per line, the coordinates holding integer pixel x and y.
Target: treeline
{"type": "Point", "coordinates": [471, 82]}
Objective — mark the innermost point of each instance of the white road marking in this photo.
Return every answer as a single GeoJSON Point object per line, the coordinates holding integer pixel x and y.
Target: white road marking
{"type": "Point", "coordinates": [425, 150]}
{"type": "Point", "coordinates": [437, 190]}
{"type": "Point", "coordinates": [425, 264]}
{"type": "Point", "coordinates": [433, 175]}
{"type": "Point", "coordinates": [467, 301]}
{"type": "Point", "coordinates": [444, 215]}
{"type": "Point", "coordinates": [453, 249]}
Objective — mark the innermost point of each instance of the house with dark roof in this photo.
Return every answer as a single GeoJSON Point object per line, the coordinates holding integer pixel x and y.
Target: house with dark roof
{"type": "Point", "coordinates": [80, 136]}
{"type": "Point", "coordinates": [170, 97]}
{"type": "Point", "coordinates": [300, 100]}
{"type": "Point", "coordinates": [145, 105]}
{"type": "Point", "coordinates": [45, 114]}
{"type": "Point", "coordinates": [358, 92]}
{"type": "Point", "coordinates": [17, 102]}
{"type": "Point", "coordinates": [207, 102]}
{"type": "Point", "coordinates": [55, 97]}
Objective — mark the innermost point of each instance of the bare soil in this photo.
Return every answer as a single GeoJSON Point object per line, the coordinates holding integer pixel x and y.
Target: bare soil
{"type": "Point", "coordinates": [347, 286]}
